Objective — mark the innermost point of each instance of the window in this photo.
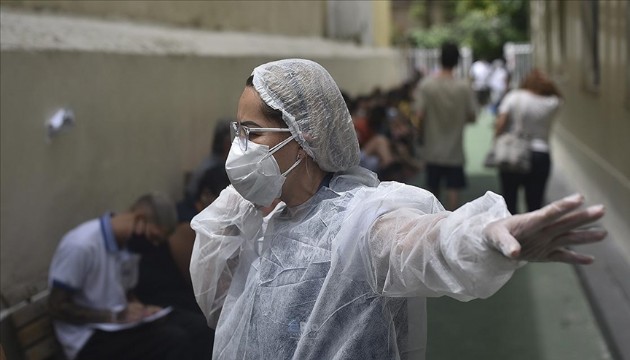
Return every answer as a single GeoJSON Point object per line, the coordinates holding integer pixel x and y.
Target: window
{"type": "Point", "coordinates": [562, 26]}
{"type": "Point", "coordinates": [590, 22]}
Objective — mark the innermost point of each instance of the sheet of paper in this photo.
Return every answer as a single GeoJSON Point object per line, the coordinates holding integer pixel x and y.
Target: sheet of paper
{"type": "Point", "coordinates": [122, 326]}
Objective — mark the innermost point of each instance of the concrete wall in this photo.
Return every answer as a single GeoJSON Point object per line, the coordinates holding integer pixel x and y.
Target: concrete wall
{"type": "Point", "coordinates": [145, 101]}
{"type": "Point", "coordinates": [591, 136]}
{"type": "Point", "coordinates": [351, 21]}
{"type": "Point", "coordinates": [296, 18]}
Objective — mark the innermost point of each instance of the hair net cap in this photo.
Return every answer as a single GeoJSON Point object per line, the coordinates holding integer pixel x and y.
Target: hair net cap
{"type": "Point", "coordinates": [313, 108]}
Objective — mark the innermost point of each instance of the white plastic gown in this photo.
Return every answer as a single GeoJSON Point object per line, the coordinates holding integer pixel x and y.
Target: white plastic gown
{"type": "Point", "coordinates": [342, 276]}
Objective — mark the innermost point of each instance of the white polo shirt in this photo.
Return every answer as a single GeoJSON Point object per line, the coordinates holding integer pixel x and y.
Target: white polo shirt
{"type": "Point", "coordinates": [89, 263]}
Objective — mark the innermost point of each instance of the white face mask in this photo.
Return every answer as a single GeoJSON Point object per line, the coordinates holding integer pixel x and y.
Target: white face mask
{"type": "Point", "coordinates": [255, 173]}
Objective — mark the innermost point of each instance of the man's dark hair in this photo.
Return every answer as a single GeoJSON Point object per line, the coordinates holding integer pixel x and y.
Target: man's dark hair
{"type": "Point", "coordinates": [449, 55]}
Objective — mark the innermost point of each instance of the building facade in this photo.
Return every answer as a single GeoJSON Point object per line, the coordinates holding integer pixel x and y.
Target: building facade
{"type": "Point", "coordinates": [585, 47]}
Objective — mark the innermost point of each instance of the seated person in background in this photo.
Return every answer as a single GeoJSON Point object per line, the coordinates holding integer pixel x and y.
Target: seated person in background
{"type": "Point", "coordinates": [221, 143]}
{"type": "Point", "coordinates": [376, 151]}
{"type": "Point", "coordinates": [92, 271]}
{"type": "Point", "coordinates": [164, 276]}
{"type": "Point", "coordinates": [209, 187]}
{"type": "Point", "coordinates": [359, 110]}
{"type": "Point", "coordinates": [401, 137]}
{"type": "Point", "coordinates": [390, 151]}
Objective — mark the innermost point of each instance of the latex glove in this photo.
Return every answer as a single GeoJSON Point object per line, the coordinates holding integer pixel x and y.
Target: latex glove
{"type": "Point", "coordinates": [229, 224]}
{"type": "Point", "coordinates": [543, 235]}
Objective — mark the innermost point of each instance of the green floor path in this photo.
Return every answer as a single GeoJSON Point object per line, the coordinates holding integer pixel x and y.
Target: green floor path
{"type": "Point", "coordinates": [541, 314]}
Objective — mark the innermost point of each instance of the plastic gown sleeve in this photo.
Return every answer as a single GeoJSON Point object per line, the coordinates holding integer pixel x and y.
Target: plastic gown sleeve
{"type": "Point", "coordinates": [223, 229]}
{"type": "Point", "coordinates": [414, 253]}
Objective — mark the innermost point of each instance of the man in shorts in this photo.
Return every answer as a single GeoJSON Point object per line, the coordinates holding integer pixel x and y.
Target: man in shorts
{"type": "Point", "coordinates": [444, 105]}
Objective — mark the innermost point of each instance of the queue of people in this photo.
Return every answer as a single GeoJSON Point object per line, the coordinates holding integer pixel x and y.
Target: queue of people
{"type": "Point", "coordinates": [418, 127]}
{"type": "Point", "coordinates": [299, 239]}
{"type": "Point", "coordinates": [387, 138]}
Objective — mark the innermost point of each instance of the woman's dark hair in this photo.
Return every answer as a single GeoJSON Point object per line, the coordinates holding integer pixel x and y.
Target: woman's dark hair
{"type": "Point", "coordinates": [269, 112]}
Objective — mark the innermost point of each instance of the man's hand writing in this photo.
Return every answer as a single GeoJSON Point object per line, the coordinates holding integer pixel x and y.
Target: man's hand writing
{"type": "Point", "coordinates": [137, 311]}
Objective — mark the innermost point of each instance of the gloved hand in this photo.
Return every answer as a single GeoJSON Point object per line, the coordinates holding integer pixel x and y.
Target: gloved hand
{"type": "Point", "coordinates": [229, 215]}
{"type": "Point", "coordinates": [223, 229]}
{"type": "Point", "coordinates": [543, 235]}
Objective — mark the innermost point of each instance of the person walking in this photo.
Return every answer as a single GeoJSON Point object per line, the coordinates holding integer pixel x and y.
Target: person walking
{"type": "Point", "coordinates": [444, 105]}
{"type": "Point", "coordinates": [536, 102]}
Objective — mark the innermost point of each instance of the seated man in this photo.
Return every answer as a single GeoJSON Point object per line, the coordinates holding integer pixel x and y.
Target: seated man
{"type": "Point", "coordinates": [164, 277]}
{"type": "Point", "coordinates": [91, 273]}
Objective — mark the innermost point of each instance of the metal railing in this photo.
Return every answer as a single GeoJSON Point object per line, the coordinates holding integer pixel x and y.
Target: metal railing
{"type": "Point", "coordinates": [518, 58]}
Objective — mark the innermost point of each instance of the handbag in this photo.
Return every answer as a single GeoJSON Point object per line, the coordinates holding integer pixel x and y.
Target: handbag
{"type": "Point", "coordinates": [511, 150]}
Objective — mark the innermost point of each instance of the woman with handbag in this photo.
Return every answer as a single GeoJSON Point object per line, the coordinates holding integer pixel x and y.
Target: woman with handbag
{"type": "Point", "coordinates": [528, 112]}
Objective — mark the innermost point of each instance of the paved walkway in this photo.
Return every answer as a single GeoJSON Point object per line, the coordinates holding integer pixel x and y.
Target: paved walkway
{"type": "Point", "coordinates": [541, 314]}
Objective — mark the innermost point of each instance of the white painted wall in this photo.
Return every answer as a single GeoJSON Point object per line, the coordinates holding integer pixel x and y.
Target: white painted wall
{"type": "Point", "coordinates": [590, 146]}
{"type": "Point", "coordinates": [295, 18]}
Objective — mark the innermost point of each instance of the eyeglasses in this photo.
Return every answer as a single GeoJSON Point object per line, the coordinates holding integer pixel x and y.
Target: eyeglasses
{"type": "Point", "coordinates": [243, 132]}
